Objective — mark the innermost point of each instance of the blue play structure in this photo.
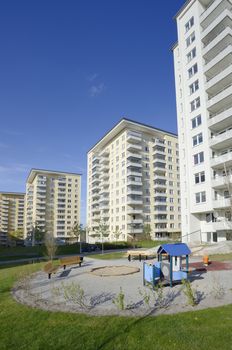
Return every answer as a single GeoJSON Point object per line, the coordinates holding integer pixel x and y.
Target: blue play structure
{"type": "Point", "coordinates": [169, 266]}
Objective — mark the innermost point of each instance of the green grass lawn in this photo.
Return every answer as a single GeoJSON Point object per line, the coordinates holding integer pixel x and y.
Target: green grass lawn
{"type": "Point", "coordinates": [27, 328]}
{"type": "Point", "coordinates": [108, 256]}
{"type": "Point", "coordinates": [221, 257]}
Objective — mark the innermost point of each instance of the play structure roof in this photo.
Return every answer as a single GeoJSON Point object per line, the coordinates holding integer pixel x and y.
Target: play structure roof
{"type": "Point", "coordinates": [176, 249]}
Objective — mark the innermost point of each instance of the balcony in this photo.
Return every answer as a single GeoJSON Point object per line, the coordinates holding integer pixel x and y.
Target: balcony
{"type": "Point", "coordinates": [222, 160]}
{"type": "Point", "coordinates": [160, 209]}
{"type": "Point", "coordinates": [104, 206]}
{"type": "Point", "coordinates": [134, 181]}
{"type": "Point", "coordinates": [133, 163]}
{"type": "Point", "coordinates": [160, 184]}
{"type": "Point", "coordinates": [134, 155]}
{"type": "Point", "coordinates": [132, 191]}
{"type": "Point", "coordinates": [219, 63]}
{"type": "Point", "coordinates": [131, 201]}
{"type": "Point", "coordinates": [218, 44]}
{"type": "Point", "coordinates": [134, 173]}
{"type": "Point", "coordinates": [213, 11]}
{"type": "Point", "coordinates": [134, 147]}
{"type": "Point", "coordinates": [134, 211]}
{"type": "Point", "coordinates": [104, 200]}
{"type": "Point", "coordinates": [222, 203]}
{"type": "Point", "coordinates": [104, 169]}
{"type": "Point", "coordinates": [219, 82]}
{"type": "Point", "coordinates": [95, 180]}
{"type": "Point", "coordinates": [105, 214]}
{"type": "Point", "coordinates": [220, 101]}
{"type": "Point", "coordinates": [96, 170]}
{"type": "Point", "coordinates": [104, 176]}
{"type": "Point", "coordinates": [104, 153]}
{"type": "Point", "coordinates": [221, 121]}
{"type": "Point", "coordinates": [95, 210]}
{"type": "Point", "coordinates": [134, 137]}
{"type": "Point", "coordinates": [132, 221]}
{"type": "Point", "coordinates": [221, 140]}
{"type": "Point", "coordinates": [134, 230]}
{"type": "Point", "coordinates": [216, 226]}
{"type": "Point", "coordinates": [223, 20]}
{"type": "Point", "coordinates": [160, 177]}
{"type": "Point", "coordinates": [220, 182]}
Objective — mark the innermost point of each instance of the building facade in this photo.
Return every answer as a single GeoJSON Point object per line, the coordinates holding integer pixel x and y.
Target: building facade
{"type": "Point", "coordinates": [11, 215]}
{"type": "Point", "coordinates": [53, 202]}
{"type": "Point", "coordinates": [203, 75]}
{"type": "Point", "coordinates": [133, 183]}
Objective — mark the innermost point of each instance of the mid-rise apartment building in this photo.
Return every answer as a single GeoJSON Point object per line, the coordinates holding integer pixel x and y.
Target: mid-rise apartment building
{"type": "Point", "coordinates": [53, 202]}
{"type": "Point", "coordinates": [11, 214]}
{"type": "Point", "coordinates": [203, 74]}
{"type": "Point", "coordinates": [133, 181]}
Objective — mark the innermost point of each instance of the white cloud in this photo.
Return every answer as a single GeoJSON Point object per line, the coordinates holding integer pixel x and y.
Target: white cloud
{"type": "Point", "coordinates": [96, 90]}
{"type": "Point", "coordinates": [92, 77]}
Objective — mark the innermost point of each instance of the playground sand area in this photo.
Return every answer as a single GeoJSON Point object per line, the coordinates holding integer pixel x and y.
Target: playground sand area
{"type": "Point", "coordinates": [82, 290]}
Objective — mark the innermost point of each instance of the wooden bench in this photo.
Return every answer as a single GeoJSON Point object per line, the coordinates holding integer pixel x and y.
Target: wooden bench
{"type": "Point", "coordinates": [139, 253]}
{"type": "Point", "coordinates": [49, 268]}
{"type": "Point", "coordinates": [71, 260]}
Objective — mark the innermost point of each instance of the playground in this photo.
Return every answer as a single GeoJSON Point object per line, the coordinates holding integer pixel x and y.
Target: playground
{"type": "Point", "coordinates": [120, 287]}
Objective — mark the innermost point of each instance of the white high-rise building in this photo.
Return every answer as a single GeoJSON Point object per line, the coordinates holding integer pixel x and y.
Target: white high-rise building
{"type": "Point", "coordinates": [133, 182]}
{"type": "Point", "coordinates": [53, 201]}
{"type": "Point", "coordinates": [203, 74]}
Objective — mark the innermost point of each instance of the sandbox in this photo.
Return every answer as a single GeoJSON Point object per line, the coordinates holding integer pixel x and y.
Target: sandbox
{"type": "Point", "coordinates": [121, 270]}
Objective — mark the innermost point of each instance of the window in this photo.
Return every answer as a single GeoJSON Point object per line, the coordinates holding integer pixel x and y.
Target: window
{"type": "Point", "coordinates": [191, 55]}
{"type": "Point", "coordinates": [197, 139]}
{"type": "Point", "coordinates": [190, 39]}
{"type": "Point", "coordinates": [199, 177]}
{"type": "Point", "coordinates": [198, 158]}
{"type": "Point", "coordinates": [196, 121]}
{"type": "Point", "coordinates": [189, 24]}
{"type": "Point", "coordinates": [200, 197]}
{"type": "Point", "coordinates": [195, 104]}
{"type": "Point", "coordinates": [194, 87]}
{"type": "Point", "coordinates": [193, 70]}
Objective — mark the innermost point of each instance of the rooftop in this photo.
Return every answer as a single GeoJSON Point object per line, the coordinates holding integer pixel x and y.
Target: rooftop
{"type": "Point", "coordinates": [129, 123]}
{"type": "Point", "coordinates": [35, 172]}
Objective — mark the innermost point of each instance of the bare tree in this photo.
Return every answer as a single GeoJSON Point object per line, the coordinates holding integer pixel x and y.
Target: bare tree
{"type": "Point", "coordinates": [103, 231]}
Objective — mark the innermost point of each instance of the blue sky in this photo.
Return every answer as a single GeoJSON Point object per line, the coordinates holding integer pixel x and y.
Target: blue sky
{"type": "Point", "coordinates": [69, 70]}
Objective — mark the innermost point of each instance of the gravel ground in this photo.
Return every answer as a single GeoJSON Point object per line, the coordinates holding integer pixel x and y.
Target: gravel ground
{"type": "Point", "coordinates": [212, 289]}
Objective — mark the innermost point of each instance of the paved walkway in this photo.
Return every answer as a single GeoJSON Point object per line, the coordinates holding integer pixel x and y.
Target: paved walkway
{"type": "Point", "coordinates": [213, 288]}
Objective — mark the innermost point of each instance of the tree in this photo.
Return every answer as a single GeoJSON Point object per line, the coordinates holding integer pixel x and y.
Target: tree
{"type": "Point", "coordinates": [147, 231]}
{"type": "Point", "coordinates": [117, 234]}
{"type": "Point", "coordinates": [50, 245]}
{"type": "Point", "coordinates": [37, 234]}
{"type": "Point", "coordinates": [102, 231]}
{"type": "Point", "coordinates": [16, 235]}
{"type": "Point", "coordinates": [77, 231]}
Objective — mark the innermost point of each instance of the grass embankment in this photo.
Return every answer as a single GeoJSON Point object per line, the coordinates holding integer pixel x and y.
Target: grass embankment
{"type": "Point", "coordinates": [221, 257]}
{"type": "Point", "coordinates": [15, 253]}
{"type": "Point", "coordinates": [27, 328]}
{"type": "Point", "coordinates": [108, 256]}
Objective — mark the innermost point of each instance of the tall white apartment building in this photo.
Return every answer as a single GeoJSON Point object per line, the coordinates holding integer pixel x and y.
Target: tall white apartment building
{"type": "Point", "coordinates": [133, 180]}
{"type": "Point", "coordinates": [53, 202]}
{"type": "Point", "coordinates": [203, 74]}
{"type": "Point", "coordinates": [11, 214]}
